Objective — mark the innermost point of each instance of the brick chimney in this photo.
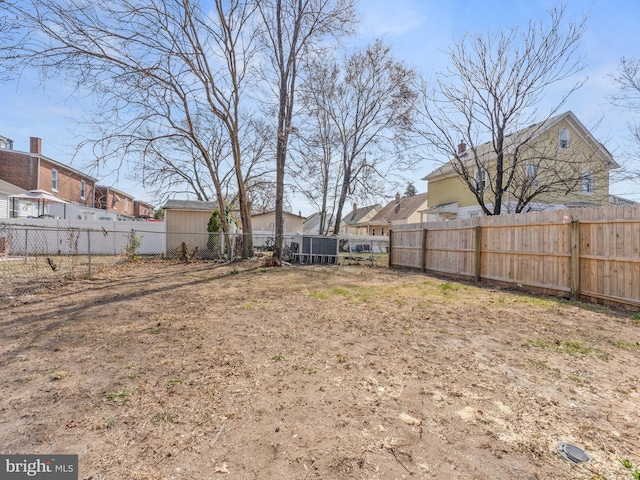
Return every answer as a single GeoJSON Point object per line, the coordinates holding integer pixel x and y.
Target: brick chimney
{"type": "Point", "coordinates": [462, 147]}
{"type": "Point", "coordinates": [35, 145]}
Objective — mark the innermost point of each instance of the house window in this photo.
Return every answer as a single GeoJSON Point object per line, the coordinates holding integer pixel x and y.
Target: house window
{"type": "Point", "coordinates": [532, 175]}
{"type": "Point", "coordinates": [587, 183]}
{"type": "Point", "coordinates": [481, 180]}
{"type": "Point", "coordinates": [563, 139]}
{"type": "Point", "coordinates": [382, 232]}
{"type": "Point", "coordinates": [83, 189]}
{"type": "Point", "coordinates": [54, 180]}
{"type": "Point", "coordinates": [126, 204]}
{"type": "Point", "coordinates": [373, 231]}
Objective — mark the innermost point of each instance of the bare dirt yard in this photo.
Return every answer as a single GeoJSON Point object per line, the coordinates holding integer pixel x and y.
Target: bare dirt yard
{"type": "Point", "coordinates": [205, 371]}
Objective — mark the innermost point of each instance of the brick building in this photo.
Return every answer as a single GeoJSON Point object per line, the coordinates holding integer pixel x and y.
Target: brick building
{"type": "Point", "coordinates": [32, 171]}
{"type": "Point", "coordinates": [142, 210]}
{"type": "Point", "coordinates": [112, 200]}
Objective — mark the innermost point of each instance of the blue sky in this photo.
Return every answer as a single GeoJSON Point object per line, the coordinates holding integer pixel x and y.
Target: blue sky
{"type": "Point", "coordinates": [418, 31]}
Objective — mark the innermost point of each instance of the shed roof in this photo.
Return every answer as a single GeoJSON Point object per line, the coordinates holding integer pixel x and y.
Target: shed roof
{"type": "Point", "coordinates": [194, 205]}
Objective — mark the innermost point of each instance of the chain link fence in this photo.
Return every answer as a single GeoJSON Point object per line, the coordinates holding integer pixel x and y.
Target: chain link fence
{"type": "Point", "coordinates": [34, 256]}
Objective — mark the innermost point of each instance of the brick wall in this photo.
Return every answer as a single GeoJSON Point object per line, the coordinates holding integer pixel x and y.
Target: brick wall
{"type": "Point", "coordinates": [19, 169]}
{"type": "Point", "coordinates": [68, 184]}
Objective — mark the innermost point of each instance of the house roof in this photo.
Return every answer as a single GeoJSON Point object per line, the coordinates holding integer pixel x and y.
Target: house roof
{"type": "Point", "coordinates": [272, 212]}
{"type": "Point", "coordinates": [107, 188]}
{"type": "Point", "coordinates": [355, 216]}
{"type": "Point", "coordinates": [399, 209]}
{"type": "Point", "coordinates": [486, 150]}
{"type": "Point", "coordinates": [53, 162]}
{"type": "Point", "coordinates": [197, 205]}
{"type": "Point", "coordinates": [10, 188]}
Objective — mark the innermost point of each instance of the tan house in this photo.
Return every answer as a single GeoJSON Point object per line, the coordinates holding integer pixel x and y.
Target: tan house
{"type": "Point", "coordinates": [559, 154]}
{"type": "Point", "coordinates": [355, 222]}
{"type": "Point", "coordinates": [265, 223]}
{"type": "Point", "coordinates": [400, 211]}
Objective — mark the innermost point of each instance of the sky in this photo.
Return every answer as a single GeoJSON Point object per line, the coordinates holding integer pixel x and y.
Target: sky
{"type": "Point", "coordinates": [418, 32]}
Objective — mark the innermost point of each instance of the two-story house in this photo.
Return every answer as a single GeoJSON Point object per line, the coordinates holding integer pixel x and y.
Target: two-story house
{"type": "Point", "coordinates": [114, 201]}
{"type": "Point", "coordinates": [34, 171]}
{"type": "Point", "coordinates": [555, 164]}
{"type": "Point", "coordinates": [355, 222]}
{"type": "Point", "coordinates": [142, 210]}
{"type": "Point", "coordinates": [399, 211]}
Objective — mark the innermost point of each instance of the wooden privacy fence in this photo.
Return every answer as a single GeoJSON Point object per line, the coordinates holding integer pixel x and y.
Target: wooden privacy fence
{"type": "Point", "coordinates": [588, 253]}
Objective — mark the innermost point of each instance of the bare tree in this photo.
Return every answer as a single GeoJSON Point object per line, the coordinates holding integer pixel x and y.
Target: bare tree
{"type": "Point", "coordinates": [162, 71]}
{"type": "Point", "coordinates": [368, 101]}
{"type": "Point", "coordinates": [316, 168]}
{"type": "Point", "coordinates": [491, 90]}
{"type": "Point", "coordinates": [627, 79]}
{"type": "Point", "coordinates": [293, 29]}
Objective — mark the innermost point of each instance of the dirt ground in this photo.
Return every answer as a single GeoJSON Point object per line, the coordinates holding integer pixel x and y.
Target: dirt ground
{"type": "Point", "coordinates": [205, 371]}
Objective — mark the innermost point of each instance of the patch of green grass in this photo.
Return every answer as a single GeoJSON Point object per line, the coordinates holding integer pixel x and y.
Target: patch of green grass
{"type": "Point", "coordinates": [307, 371]}
{"type": "Point", "coordinates": [575, 349]}
{"type": "Point", "coordinates": [173, 383]}
{"type": "Point", "coordinates": [278, 358]}
{"type": "Point", "coordinates": [575, 378]}
{"type": "Point", "coordinates": [110, 422]}
{"type": "Point", "coordinates": [623, 344]}
{"type": "Point", "coordinates": [636, 317]}
{"type": "Point", "coordinates": [360, 293]}
{"type": "Point", "coordinates": [29, 347]}
{"type": "Point", "coordinates": [116, 395]}
{"type": "Point", "coordinates": [542, 365]}
{"type": "Point", "coordinates": [635, 473]}
{"type": "Point", "coordinates": [155, 330]}
{"type": "Point", "coordinates": [447, 287]}
{"type": "Point", "coordinates": [288, 336]}
{"type": "Point", "coordinates": [133, 376]}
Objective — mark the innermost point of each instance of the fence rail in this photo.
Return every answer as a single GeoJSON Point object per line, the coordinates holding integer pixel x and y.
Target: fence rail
{"type": "Point", "coordinates": [592, 253]}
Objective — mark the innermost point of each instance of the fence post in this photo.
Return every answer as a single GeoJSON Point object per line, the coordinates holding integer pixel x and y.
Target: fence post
{"type": "Point", "coordinates": [390, 248]}
{"type": "Point", "coordinates": [478, 265]}
{"type": "Point", "coordinates": [575, 259]}
{"type": "Point", "coordinates": [89, 250]}
{"type": "Point", "coordinates": [423, 266]}
{"type": "Point", "coordinates": [26, 245]}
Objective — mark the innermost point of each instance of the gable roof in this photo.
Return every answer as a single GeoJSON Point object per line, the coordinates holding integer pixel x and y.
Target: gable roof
{"type": "Point", "coordinates": [10, 188]}
{"type": "Point", "coordinates": [400, 209]}
{"type": "Point", "coordinates": [485, 151]}
{"type": "Point", "coordinates": [355, 216]}
{"type": "Point", "coordinates": [273, 212]}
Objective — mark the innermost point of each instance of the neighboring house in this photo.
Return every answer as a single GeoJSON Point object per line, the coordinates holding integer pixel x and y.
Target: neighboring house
{"type": "Point", "coordinates": [355, 222]}
{"type": "Point", "coordinates": [34, 171]}
{"type": "Point", "coordinates": [9, 207]}
{"type": "Point", "coordinates": [616, 200]}
{"type": "Point", "coordinates": [142, 210]}
{"type": "Point", "coordinates": [266, 223]}
{"type": "Point", "coordinates": [6, 143]}
{"type": "Point", "coordinates": [311, 225]}
{"type": "Point", "coordinates": [400, 211]}
{"type": "Point", "coordinates": [571, 148]}
{"type": "Point", "coordinates": [114, 201]}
